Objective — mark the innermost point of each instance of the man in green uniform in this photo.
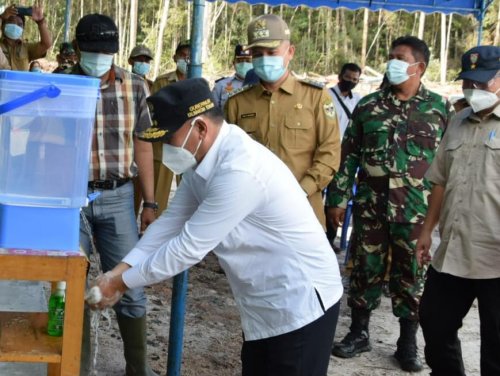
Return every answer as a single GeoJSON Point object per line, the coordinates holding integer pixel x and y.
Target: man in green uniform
{"type": "Point", "coordinates": [392, 140]}
{"type": "Point", "coordinates": [163, 175]}
{"type": "Point", "coordinates": [294, 118]}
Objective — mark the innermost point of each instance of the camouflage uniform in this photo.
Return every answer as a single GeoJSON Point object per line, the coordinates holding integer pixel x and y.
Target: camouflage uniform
{"type": "Point", "coordinates": [392, 142]}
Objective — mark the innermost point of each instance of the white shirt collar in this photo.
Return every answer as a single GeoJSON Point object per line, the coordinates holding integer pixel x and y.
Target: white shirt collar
{"type": "Point", "coordinates": [207, 165]}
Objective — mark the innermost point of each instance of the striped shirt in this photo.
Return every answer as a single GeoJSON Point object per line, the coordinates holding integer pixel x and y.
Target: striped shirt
{"type": "Point", "coordinates": [121, 113]}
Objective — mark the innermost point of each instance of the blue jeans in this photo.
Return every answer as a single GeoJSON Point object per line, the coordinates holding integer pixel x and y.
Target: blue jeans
{"type": "Point", "coordinates": [114, 229]}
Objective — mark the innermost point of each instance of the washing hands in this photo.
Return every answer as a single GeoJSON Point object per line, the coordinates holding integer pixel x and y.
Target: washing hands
{"type": "Point", "coordinates": [105, 291]}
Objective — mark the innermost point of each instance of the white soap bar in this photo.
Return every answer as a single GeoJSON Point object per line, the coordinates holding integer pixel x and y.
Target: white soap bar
{"type": "Point", "coordinates": [94, 295]}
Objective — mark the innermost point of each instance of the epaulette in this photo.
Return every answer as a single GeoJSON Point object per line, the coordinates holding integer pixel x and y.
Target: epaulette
{"type": "Point", "coordinates": [241, 90]}
{"type": "Point", "coordinates": [220, 79]}
{"type": "Point", "coordinates": [313, 83]}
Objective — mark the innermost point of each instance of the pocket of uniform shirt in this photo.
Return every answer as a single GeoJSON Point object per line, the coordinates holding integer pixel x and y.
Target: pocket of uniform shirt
{"type": "Point", "coordinates": [493, 144]}
{"type": "Point", "coordinates": [452, 145]}
{"type": "Point", "coordinates": [297, 133]}
{"type": "Point", "coordinates": [249, 124]}
{"type": "Point", "coordinates": [419, 140]}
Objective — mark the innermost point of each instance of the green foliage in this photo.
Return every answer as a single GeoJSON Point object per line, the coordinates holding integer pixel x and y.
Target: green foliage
{"type": "Point", "coordinates": [324, 38]}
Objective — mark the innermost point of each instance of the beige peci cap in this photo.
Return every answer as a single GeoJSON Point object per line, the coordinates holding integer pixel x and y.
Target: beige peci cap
{"type": "Point", "coordinates": [267, 31]}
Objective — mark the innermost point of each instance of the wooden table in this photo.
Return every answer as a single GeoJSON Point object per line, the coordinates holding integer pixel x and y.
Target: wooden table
{"type": "Point", "coordinates": [23, 335]}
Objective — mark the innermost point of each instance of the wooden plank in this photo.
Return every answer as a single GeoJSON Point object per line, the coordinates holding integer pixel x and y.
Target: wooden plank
{"type": "Point", "coordinates": [34, 268]}
{"type": "Point", "coordinates": [24, 338]}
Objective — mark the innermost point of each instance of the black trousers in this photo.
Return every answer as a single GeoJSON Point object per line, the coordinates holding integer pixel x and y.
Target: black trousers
{"type": "Point", "coordinates": [445, 302]}
{"type": "Point", "coordinates": [303, 352]}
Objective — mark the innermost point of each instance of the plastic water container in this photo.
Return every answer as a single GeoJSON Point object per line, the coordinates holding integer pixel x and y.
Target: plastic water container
{"type": "Point", "coordinates": [46, 123]}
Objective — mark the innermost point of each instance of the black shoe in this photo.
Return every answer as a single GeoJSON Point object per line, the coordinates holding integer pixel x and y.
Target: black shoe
{"type": "Point", "coordinates": [407, 350]}
{"type": "Point", "coordinates": [352, 344]}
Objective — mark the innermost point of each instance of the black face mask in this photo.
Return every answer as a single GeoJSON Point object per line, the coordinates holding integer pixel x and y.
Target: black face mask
{"type": "Point", "coordinates": [346, 86]}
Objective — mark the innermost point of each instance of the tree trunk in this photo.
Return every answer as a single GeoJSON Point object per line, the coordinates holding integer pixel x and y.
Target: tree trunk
{"type": "Point", "coordinates": [364, 41]}
{"type": "Point", "coordinates": [443, 49]}
{"type": "Point", "coordinates": [133, 24]}
{"type": "Point", "coordinates": [163, 12]}
{"type": "Point", "coordinates": [328, 41]}
{"type": "Point", "coordinates": [421, 26]}
{"type": "Point", "coordinates": [496, 41]}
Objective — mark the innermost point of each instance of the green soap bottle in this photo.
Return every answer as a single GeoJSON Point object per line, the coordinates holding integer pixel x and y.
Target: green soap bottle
{"type": "Point", "coordinates": [56, 310]}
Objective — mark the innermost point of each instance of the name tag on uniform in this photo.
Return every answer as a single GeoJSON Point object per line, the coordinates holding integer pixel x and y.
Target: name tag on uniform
{"type": "Point", "coordinates": [248, 116]}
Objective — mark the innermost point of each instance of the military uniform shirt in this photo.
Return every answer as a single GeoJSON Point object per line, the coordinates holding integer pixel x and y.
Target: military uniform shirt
{"type": "Point", "coordinates": [299, 124]}
{"type": "Point", "coordinates": [224, 87]}
{"type": "Point", "coordinates": [467, 165]}
{"type": "Point", "coordinates": [393, 143]}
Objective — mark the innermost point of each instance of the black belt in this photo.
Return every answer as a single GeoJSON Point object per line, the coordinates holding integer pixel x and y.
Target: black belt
{"type": "Point", "coordinates": [108, 184]}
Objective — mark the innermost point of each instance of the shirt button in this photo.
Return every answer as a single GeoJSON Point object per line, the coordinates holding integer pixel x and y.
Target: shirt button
{"type": "Point", "coordinates": [272, 102]}
{"type": "Point", "coordinates": [272, 125]}
{"type": "Point", "coordinates": [298, 124]}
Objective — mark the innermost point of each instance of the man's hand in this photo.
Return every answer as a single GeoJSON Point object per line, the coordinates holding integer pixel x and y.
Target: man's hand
{"type": "Point", "coordinates": [335, 216]}
{"type": "Point", "coordinates": [148, 216]}
{"type": "Point", "coordinates": [423, 248]}
{"type": "Point", "coordinates": [37, 13]}
{"type": "Point", "coordinates": [9, 12]}
{"type": "Point", "coordinates": [111, 289]}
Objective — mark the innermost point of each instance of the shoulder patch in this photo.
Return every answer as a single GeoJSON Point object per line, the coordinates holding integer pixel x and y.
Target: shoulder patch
{"type": "Point", "coordinates": [241, 90]}
{"type": "Point", "coordinates": [220, 79]}
{"type": "Point", "coordinates": [312, 83]}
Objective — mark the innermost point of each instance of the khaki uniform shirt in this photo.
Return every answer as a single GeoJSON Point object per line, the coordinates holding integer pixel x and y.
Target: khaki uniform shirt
{"type": "Point", "coordinates": [299, 124]}
{"type": "Point", "coordinates": [467, 165]}
{"type": "Point", "coordinates": [20, 54]}
{"type": "Point", "coordinates": [161, 81]}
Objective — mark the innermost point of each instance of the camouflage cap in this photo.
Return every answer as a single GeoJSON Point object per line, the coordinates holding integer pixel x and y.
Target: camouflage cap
{"type": "Point", "coordinates": [141, 51]}
{"type": "Point", "coordinates": [66, 48]}
{"type": "Point", "coordinates": [267, 31]}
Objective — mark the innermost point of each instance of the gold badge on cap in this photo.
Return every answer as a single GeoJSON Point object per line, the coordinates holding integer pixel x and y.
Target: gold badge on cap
{"type": "Point", "coordinates": [473, 59]}
{"type": "Point", "coordinates": [260, 29]}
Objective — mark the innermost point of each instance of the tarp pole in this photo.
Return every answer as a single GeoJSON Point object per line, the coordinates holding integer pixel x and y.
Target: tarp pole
{"type": "Point", "coordinates": [481, 19]}
{"type": "Point", "coordinates": [179, 291]}
{"type": "Point", "coordinates": [67, 20]}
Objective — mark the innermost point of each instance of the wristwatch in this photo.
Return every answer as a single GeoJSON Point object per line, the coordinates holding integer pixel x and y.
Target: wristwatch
{"type": "Point", "coordinates": [150, 205]}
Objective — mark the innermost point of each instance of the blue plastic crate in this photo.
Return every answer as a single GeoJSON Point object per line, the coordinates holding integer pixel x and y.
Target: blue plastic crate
{"type": "Point", "coordinates": [39, 228]}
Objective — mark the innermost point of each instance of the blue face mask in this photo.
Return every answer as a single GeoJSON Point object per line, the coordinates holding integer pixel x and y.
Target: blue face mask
{"type": "Point", "coordinates": [182, 66]}
{"type": "Point", "coordinates": [141, 68]}
{"type": "Point", "coordinates": [243, 68]}
{"type": "Point", "coordinates": [269, 68]}
{"type": "Point", "coordinates": [13, 31]}
{"type": "Point", "coordinates": [36, 70]}
{"type": "Point", "coordinates": [397, 71]}
{"type": "Point", "coordinates": [95, 64]}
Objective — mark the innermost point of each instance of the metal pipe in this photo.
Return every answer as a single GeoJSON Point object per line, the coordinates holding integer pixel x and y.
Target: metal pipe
{"type": "Point", "coordinates": [195, 66]}
{"type": "Point", "coordinates": [179, 291]}
{"type": "Point", "coordinates": [67, 20]}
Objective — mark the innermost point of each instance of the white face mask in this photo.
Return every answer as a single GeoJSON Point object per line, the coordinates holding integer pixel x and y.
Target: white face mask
{"type": "Point", "coordinates": [178, 159]}
{"type": "Point", "coordinates": [397, 71]}
{"type": "Point", "coordinates": [480, 99]}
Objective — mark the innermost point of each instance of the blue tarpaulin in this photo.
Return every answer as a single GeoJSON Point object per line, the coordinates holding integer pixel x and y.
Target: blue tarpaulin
{"type": "Point", "coordinates": [475, 7]}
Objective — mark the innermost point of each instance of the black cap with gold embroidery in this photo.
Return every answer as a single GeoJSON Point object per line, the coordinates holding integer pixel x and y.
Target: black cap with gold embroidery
{"type": "Point", "coordinates": [173, 105]}
{"type": "Point", "coordinates": [480, 64]}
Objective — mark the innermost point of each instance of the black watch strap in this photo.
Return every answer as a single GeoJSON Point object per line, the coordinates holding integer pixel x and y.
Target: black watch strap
{"type": "Point", "coordinates": [151, 205]}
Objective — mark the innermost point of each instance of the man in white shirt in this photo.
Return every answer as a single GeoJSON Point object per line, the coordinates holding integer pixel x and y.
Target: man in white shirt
{"type": "Point", "coordinates": [345, 101]}
{"type": "Point", "coordinates": [241, 201]}
{"type": "Point", "coordinates": [343, 97]}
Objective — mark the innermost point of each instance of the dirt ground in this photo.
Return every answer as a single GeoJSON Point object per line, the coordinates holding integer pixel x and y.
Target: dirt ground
{"type": "Point", "coordinates": [212, 335]}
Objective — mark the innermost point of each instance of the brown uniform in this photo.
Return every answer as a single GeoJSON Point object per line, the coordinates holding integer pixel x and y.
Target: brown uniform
{"type": "Point", "coordinates": [163, 176]}
{"type": "Point", "coordinates": [20, 54]}
{"type": "Point", "coordinates": [299, 124]}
